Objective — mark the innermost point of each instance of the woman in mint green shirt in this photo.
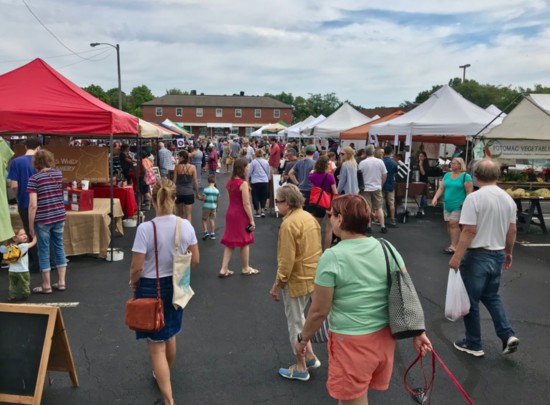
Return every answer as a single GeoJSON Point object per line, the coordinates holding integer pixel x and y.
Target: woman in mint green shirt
{"type": "Point", "coordinates": [455, 186]}
{"type": "Point", "coordinates": [351, 288]}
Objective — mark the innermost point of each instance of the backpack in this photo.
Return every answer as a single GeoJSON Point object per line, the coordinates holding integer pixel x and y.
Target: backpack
{"type": "Point", "coordinates": [11, 253]}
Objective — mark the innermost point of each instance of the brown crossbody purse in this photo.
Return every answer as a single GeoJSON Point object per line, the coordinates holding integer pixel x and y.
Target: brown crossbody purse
{"type": "Point", "coordinates": [146, 314]}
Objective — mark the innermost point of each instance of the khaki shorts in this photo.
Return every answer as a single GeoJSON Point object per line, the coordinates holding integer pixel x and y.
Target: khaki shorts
{"type": "Point", "coordinates": [207, 214]}
{"type": "Point", "coordinates": [451, 215]}
{"type": "Point", "coordinates": [374, 199]}
{"type": "Point", "coordinates": [359, 362]}
{"type": "Point", "coordinates": [389, 197]}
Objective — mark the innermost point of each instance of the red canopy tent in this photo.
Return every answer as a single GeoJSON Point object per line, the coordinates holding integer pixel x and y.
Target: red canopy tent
{"type": "Point", "coordinates": [35, 98]}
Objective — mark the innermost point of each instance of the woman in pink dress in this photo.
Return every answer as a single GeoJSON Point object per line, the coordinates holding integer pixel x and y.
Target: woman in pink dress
{"type": "Point", "coordinates": [239, 221]}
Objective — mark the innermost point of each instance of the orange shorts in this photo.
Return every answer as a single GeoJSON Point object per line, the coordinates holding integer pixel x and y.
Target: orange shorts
{"type": "Point", "coordinates": [356, 363]}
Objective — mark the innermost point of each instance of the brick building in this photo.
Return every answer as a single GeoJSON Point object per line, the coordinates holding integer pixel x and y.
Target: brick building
{"type": "Point", "coordinates": [206, 115]}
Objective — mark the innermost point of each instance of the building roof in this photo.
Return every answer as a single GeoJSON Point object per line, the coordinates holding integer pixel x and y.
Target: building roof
{"type": "Point", "coordinates": [216, 101]}
{"type": "Point", "coordinates": [380, 111]}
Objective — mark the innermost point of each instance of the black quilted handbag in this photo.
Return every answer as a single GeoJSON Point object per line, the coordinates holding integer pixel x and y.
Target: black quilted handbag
{"type": "Point", "coordinates": [405, 311]}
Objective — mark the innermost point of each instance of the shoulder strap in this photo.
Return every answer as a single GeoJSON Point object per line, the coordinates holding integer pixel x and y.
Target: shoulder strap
{"type": "Point", "coordinates": [156, 258]}
{"type": "Point", "coordinates": [179, 223]}
{"type": "Point", "coordinates": [385, 250]}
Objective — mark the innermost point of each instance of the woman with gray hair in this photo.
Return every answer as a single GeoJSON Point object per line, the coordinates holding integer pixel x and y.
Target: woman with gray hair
{"type": "Point", "coordinates": [298, 251]}
{"type": "Point", "coordinates": [347, 181]}
{"type": "Point", "coordinates": [455, 186]}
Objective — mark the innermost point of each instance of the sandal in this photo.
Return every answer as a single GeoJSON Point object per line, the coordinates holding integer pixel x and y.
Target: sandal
{"type": "Point", "coordinates": [59, 287]}
{"type": "Point", "coordinates": [41, 290]}
{"type": "Point", "coordinates": [228, 273]}
{"type": "Point", "coordinates": [250, 272]}
{"type": "Point", "coordinates": [449, 251]}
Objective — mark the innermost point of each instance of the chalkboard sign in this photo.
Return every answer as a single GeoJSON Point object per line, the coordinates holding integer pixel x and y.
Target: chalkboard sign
{"type": "Point", "coordinates": [21, 344]}
{"type": "Point", "coordinates": [32, 341]}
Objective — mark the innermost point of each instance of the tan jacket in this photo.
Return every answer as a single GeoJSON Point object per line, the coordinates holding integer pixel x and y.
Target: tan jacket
{"type": "Point", "coordinates": [298, 251]}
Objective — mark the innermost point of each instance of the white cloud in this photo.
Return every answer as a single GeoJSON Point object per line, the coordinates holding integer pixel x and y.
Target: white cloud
{"type": "Point", "coordinates": [378, 57]}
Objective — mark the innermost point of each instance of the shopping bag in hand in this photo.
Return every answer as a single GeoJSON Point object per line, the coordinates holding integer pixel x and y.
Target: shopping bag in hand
{"type": "Point", "coordinates": [457, 302]}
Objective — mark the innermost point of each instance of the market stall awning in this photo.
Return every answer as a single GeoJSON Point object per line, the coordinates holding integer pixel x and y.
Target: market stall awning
{"type": "Point", "coordinates": [35, 98]}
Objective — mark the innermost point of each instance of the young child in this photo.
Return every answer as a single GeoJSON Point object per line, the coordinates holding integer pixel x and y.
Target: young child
{"type": "Point", "coordinates": [211, 196]}
{"type": "Point", "coordinates": [19, 271]}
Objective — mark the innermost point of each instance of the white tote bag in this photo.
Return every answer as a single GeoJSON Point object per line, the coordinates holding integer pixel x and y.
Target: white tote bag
{"type": "Point", "coordinates": [181, 277]}
{"type": "Point", "coordinates": [457, 302]}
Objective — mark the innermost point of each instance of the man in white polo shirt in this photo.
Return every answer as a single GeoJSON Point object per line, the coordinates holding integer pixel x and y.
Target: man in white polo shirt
{"type": "Point", "coordinates": [485, 247]}
{"type": "Point", "coordinates": [374, 175]}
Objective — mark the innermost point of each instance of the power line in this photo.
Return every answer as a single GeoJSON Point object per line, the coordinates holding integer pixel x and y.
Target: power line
{"type": "Point", "coordinates": [51, 33]}
{"type": "Point", "coordinates": [96, 53]}
{"type": "Point", "coordinates": [109, 52]}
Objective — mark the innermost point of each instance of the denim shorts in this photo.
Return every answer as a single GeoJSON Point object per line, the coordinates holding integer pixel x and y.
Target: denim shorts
{"type": "Point", "coordinates": [147, 288]}
{"type": "Point", "coordinates": [50, 236]}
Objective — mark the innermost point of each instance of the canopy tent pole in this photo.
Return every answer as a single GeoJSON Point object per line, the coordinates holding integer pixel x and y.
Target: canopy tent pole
{"type": "Point", "coordinates": [112, 196]}
{"type": "Point", "coordinates": [408, 142]}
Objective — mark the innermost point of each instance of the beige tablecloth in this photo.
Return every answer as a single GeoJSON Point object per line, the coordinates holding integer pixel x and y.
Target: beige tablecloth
{"type": "Point", "coordinates": [88, 231]}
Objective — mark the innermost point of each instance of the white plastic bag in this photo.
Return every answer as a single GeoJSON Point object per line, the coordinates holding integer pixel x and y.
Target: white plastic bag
{"type": "Point", "coordinates": [457, 302]}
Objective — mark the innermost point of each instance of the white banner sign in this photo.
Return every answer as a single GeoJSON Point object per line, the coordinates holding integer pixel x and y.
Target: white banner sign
{"type": "Point", "coordinates": [516, 149]}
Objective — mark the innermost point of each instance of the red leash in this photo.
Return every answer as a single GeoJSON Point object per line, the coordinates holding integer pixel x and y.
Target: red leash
{"type": "Point", "coordinates": [421, 394]}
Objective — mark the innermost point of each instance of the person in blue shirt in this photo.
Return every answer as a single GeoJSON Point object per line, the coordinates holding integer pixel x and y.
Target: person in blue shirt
{"type": "Point", "coordinates": [388, 189]}
{"type": "Point", "coordinates": [21, 169]}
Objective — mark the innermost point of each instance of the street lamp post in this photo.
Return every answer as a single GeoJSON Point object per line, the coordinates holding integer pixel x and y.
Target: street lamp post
{"type": "Point", "coordinates": [117, 47]}
{"type": "Point", "coordinates": [464, 67]}
{"type": "Point", "coordinates": [111, 151]}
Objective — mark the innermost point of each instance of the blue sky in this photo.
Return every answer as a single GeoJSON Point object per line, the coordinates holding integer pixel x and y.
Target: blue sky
{"type": "Point", "coordinates": [375, 53]}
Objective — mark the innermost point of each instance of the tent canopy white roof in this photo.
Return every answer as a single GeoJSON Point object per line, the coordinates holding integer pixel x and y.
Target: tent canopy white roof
{"type": "Point", "coordinates": [446, 112]}
{"type": "Point", "coordinates": [342, 119]}
{"type": "Point", "coordinates": [294, 130]}
{"type": "Point", "coordinates": [529, 120]}
{"type": "Point", "coordinates": [493, 109]}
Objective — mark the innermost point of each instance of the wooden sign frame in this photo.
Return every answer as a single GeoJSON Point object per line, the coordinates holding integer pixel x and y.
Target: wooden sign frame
{"type": "Point", "coordinates": [56, 352]}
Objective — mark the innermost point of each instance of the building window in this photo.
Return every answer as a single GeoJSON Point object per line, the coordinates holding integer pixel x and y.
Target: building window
{"type": "Point", "coordinates": [238, 113]}
{"type": "Point", "coordinates": [158, 111]}
{"type": "Point", "coordinates": [199, 112]}
{"type": "Point", "coordinates": [179, 111]}
{"type": "Point", "coordinates": [219, 112]}
{"type": "Point", "coordinates": [257, 113]}
{"type": "Point", "coordinates": [276, 113]}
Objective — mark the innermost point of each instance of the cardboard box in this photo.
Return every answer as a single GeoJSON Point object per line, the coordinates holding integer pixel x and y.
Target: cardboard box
{"type": "Point", "coordinates": [76, 199]}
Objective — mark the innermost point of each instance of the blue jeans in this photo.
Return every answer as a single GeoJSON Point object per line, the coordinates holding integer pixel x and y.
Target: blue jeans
{"type": "Point", "coordinates": [481, 272]}
{"type": "Point", "coordinates": [50, 235]}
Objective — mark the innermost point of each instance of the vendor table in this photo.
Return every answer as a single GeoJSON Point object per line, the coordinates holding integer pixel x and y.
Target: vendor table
{"type": "Point", "coordinates": [416, 190]}
{"type": "Point", "coordinates": [525, 218]}
{"type": "Point", "coordinates": [124, 194]}
{"type": "Point", "coordinates": [87, 232]}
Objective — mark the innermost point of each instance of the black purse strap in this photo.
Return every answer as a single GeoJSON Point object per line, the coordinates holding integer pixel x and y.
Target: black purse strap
{"type": "Point", "coordinates": [322, 188]}
{"type": "Point", "coordinates": [156, 259]}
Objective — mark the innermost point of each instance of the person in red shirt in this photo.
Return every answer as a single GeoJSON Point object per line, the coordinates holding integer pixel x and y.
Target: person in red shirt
{"type": "Point", "coordinates": [274, 156]}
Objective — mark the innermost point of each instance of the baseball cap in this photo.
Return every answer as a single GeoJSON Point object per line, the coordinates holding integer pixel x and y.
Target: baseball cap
{"type": "Point", "coordinates": [310, 149]}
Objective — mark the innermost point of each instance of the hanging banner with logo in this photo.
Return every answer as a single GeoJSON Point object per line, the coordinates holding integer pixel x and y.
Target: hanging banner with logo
{"type": "Point", "coordinates": [516, 149]}
{"type": "Point", "coordinates": [81, 163]}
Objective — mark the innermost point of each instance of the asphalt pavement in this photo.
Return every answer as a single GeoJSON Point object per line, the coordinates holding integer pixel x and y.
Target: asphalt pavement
{"type": "Point", "coordinates": [234, 336]}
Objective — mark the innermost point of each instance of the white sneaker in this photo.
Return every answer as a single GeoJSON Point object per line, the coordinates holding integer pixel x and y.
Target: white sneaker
{"type": "Point", "coordinates": [511, 345]}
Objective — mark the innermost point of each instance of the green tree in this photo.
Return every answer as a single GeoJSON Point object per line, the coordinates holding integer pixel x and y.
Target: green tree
{"type": "Point", "coordinates": [300, 111]}
{"type": "Point", "coordinates": [138, 96]}
{"type": "Point", "coordinates": [97, 92]}
{"type": "Point", "coordinates": [322, 104]}
{"type": "Point", "coordinates": [113, 98]}
{"type": "Point", "coordinates": [176, 92]}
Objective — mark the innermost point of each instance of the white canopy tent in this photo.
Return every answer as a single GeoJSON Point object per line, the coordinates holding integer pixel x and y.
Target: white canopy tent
{"type": "Point", "coordinates": [524, 133]}
{"type": "Point", "coordinates": [294, 130]}
{"type": "Point", "coordinates": [258, 132]}
{"type": "Point", "coordinates": [446, 112]}
{"type": "Point", "coordinates": [305, 130]}
{"type": "Point", "coordinates": [493, 109]}
{"type": "Point", "coordinates": [342, 119]}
